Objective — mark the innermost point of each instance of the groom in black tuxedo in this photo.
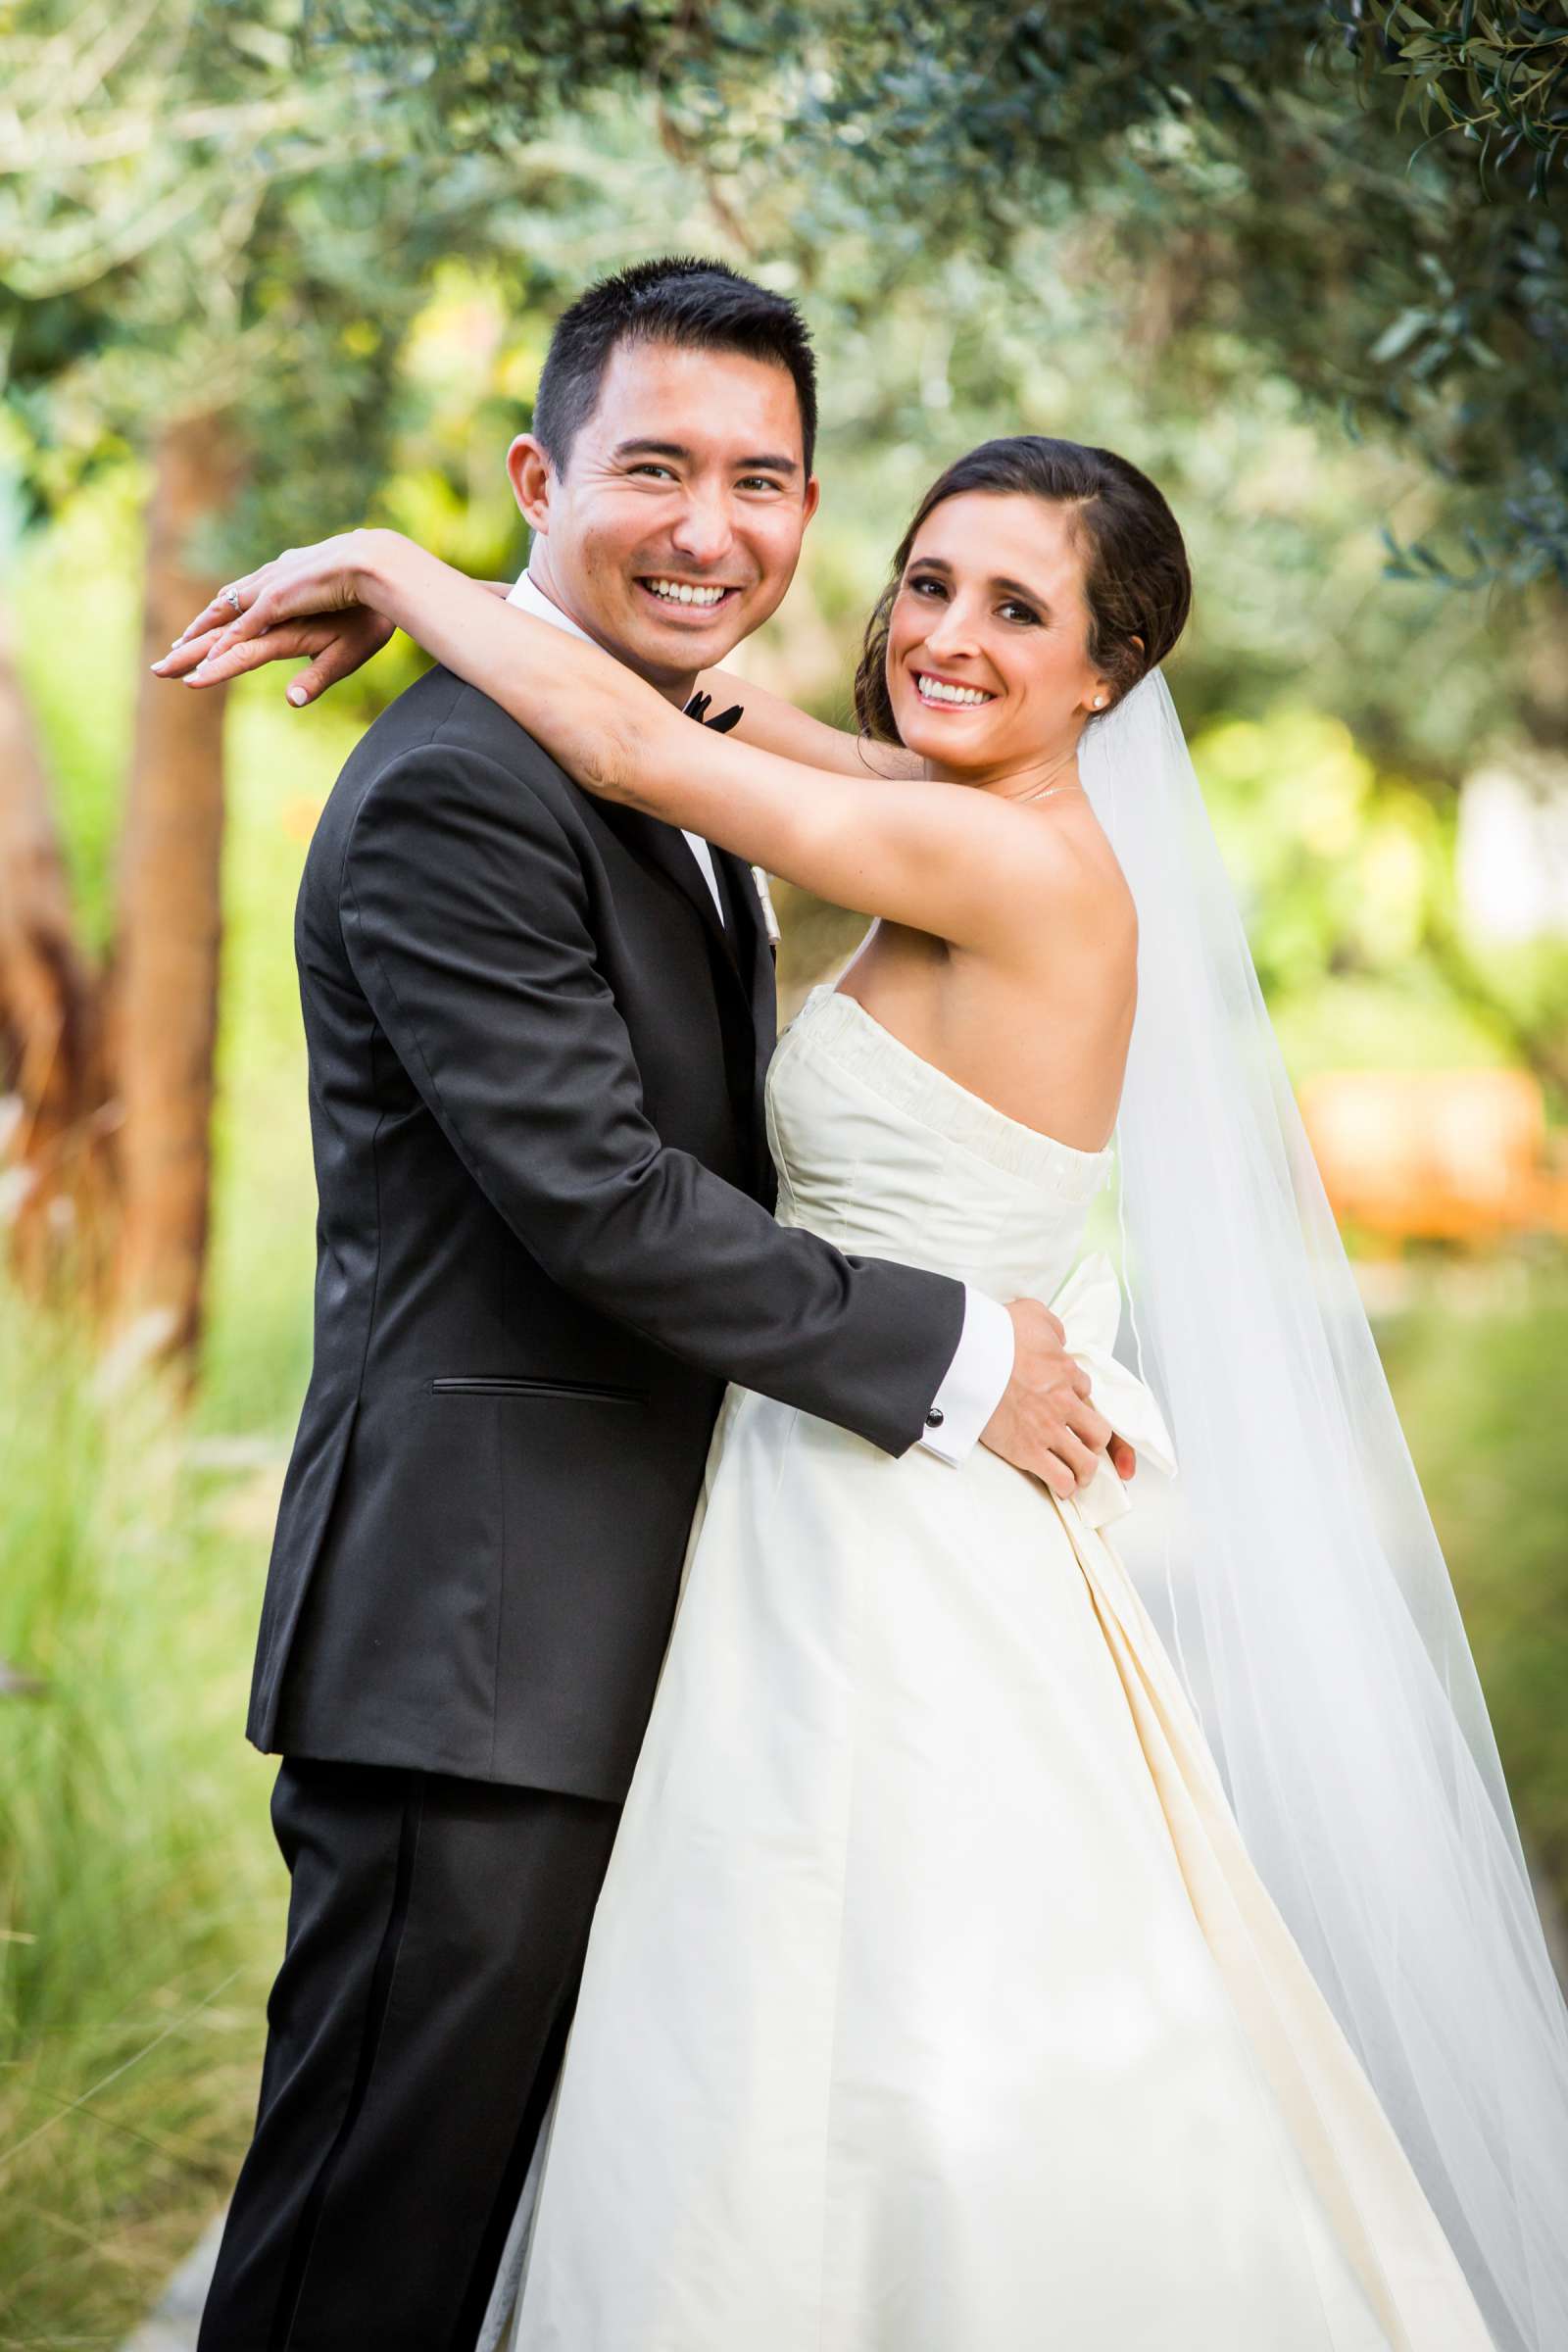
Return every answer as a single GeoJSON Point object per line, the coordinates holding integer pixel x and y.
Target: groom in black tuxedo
{"type": "Point", "coordinates": [537, 1026]}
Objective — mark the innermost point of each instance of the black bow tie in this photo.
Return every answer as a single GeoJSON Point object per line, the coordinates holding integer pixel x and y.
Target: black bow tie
{"type": "Point", "coordinates": [696, 708]}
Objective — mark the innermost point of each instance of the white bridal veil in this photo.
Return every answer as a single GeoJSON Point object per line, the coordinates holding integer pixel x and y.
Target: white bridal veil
{"type": "Point", "coordinates": [1314, 1615]}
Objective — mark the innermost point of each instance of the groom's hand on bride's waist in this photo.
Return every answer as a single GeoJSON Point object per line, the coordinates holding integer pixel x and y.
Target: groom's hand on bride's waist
{"type": "Point", "coordinates": [1047, 1422]}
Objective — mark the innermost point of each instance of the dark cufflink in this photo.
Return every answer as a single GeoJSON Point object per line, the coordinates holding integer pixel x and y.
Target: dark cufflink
{"type": "Point", "coordinates": [935, 1417]}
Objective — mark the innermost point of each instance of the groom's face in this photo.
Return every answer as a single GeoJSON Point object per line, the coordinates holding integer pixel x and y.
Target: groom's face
{"type": "Point", "coordinates": [675, 525]}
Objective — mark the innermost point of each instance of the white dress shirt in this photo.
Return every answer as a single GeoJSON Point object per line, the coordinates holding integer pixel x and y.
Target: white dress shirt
{"type": "Point", "coordinates": [982, 1366]}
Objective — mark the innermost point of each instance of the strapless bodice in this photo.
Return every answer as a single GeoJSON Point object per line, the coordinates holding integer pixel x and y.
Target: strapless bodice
{"type": "Point", "coordinates": [887, 1156]}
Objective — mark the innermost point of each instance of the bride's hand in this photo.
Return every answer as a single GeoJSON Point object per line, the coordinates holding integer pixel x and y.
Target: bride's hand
{"type": "Point", "coordinates": [335, 602]}
{"type": "Point", "coordinates": [335, 644]}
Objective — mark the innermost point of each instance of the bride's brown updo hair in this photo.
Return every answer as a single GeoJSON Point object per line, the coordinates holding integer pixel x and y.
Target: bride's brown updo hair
{"type": "Point", "coordinates": [1136, 585]}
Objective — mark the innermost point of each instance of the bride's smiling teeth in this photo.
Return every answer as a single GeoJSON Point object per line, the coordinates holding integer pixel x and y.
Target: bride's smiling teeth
{"type": "Point", "coordinates": [686, 592]}
{"type": "Point", "coordinates": [938, 690]}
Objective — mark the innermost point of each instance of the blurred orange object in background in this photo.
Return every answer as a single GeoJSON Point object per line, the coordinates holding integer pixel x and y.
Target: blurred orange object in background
{"type": "Point", "coordinates": [1436, 1155]}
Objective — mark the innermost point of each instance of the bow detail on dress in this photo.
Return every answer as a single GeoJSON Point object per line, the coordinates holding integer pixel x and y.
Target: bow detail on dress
{"type": "Point", "coordinates": [1088, 1306]}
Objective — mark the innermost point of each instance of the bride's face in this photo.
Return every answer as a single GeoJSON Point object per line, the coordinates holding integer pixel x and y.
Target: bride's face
{"type": "Point", "coordinates": [987, 661]}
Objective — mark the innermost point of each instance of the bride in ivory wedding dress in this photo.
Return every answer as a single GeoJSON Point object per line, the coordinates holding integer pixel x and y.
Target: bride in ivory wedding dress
{"type": "Point", "coordinates": [940, 1995]}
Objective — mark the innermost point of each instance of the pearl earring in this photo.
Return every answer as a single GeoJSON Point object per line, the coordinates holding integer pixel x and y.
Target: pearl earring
{"type": "Point", "coordinates": [1099, 702]}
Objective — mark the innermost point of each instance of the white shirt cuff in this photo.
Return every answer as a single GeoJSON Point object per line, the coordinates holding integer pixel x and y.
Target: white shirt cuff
{"type": "Point", "coordinates": [976, 1379]}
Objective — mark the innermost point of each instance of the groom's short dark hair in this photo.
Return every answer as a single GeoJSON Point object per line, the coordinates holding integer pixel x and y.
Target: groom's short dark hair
{"type": "Point", "coordinates": [695, 305]}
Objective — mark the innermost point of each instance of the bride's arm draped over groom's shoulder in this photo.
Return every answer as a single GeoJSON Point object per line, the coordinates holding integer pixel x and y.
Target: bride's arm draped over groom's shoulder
{"type": "Point", "coordinates": [336, 643]}
{"type": "Point", "coordinates": [963, 867]}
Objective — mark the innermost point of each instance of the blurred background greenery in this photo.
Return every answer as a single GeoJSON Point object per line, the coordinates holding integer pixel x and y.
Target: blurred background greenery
{"type": "Point", "coordinates": [267, 272]}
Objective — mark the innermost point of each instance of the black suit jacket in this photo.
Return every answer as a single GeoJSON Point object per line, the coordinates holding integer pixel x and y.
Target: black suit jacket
{"type": "Point", "coordinates": [545, 1242]}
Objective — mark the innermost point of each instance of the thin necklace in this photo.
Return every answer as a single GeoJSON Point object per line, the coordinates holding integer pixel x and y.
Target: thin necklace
{"type": "Point", "coordinates": [1045, 791]}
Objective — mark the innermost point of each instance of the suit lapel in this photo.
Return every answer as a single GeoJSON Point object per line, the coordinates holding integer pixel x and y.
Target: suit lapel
{"type": "Point", "coordinates": [753, 954]}
{"type": "Point", "coordinates": [746, 933]}
{"type": "Point", "coordinates": [667, 849]}
{"type": "Point", "coordinates": [739, 955]}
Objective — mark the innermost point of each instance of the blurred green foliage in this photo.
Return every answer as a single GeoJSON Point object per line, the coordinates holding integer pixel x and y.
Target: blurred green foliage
{"type": "Point", "coordinates": [241, 207]}
{"type": "Point", "coordinates": [214, 210]}
{"type": "Point", "coordinates": [1400, 261]}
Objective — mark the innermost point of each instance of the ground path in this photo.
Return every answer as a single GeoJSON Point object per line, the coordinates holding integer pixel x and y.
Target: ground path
{"type": "Point", "coordinates": [173, 2327]}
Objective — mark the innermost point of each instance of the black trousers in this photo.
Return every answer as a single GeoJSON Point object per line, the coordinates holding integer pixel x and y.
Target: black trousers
{"type": "Point", "coordinates": [436, 1935]}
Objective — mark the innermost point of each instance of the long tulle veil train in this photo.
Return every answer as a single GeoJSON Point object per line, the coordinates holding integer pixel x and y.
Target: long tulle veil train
{"type": "Point", "coordinates": [1314, 1612]}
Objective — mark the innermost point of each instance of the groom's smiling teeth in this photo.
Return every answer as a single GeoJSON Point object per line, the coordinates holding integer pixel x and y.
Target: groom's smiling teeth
{"type": "Point", "coordinates": [687, 592]}
{"type": "Point", "coordinates": [938, 690]}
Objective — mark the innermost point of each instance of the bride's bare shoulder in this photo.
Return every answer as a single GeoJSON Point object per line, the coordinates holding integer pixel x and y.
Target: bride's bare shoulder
{"type": "Point", "coordinates": [1059, 876]}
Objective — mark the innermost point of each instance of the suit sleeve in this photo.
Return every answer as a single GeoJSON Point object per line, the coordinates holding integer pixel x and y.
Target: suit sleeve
{"type": "Point", "coordinates": [466, 918]}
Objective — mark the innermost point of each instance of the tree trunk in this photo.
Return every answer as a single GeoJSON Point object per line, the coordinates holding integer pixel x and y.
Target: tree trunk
{"type": "Point", "coordinates": [164, 1001]}
{"type": "Point", "coordinates": [53, 1067]}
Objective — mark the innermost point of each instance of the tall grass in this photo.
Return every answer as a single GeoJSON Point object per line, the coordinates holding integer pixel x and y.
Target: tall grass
{"type": "Point", "coordinates": [1478, 1368]}
{"type": "Point", "coordinates": [138, 1897]}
